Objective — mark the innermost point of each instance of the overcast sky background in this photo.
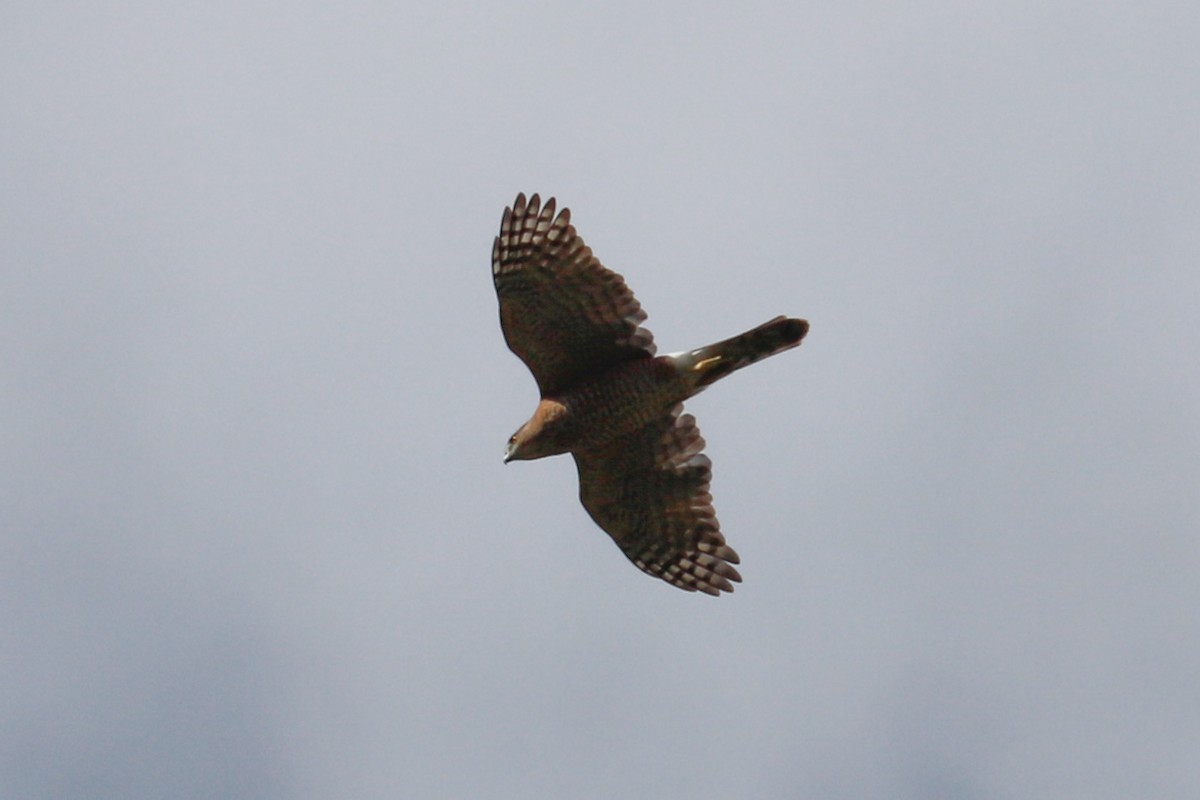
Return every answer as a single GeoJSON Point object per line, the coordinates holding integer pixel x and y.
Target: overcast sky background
{"type": "Point", "coordinates": [257, 539]}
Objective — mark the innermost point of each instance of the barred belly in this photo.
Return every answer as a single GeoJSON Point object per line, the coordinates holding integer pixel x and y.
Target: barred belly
{"type": "Point", "coordinates": [623, 399]}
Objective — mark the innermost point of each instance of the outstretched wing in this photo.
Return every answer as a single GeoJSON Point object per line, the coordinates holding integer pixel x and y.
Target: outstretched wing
{"type": "Point", "coordinates": [562, 312]}
{"type": "Point", "coordinates": [649, 491]}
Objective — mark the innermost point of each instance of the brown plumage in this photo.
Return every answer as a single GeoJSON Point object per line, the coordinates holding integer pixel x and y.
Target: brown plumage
{"type": "Point", "coordinates": [612, 404]}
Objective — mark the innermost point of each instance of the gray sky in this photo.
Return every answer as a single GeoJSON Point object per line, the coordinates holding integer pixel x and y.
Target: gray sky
{"type": "Point", "coordinates": [257, 537]}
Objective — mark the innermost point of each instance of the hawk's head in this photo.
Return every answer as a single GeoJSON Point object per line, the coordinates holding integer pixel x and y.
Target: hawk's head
{"type": "Point", "coordinates": [545, 434]}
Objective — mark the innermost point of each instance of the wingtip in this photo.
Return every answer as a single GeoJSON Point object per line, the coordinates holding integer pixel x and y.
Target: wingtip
{"type": "Point", "coordinates": [518, 205]}
{"type": "Point", "coordinates": [532, 206]}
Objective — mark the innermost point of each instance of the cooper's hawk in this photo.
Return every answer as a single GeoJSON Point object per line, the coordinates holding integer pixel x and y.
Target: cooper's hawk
{"type": "Point", "coordinates": [609, 402]}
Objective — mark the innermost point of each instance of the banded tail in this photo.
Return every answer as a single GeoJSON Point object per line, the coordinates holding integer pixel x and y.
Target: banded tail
{"type": "Point", "coordinates": [715, 361]}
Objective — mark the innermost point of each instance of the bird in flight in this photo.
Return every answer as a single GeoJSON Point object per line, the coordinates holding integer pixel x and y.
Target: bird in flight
{"type": "Point", "coordinates": [611, 403]}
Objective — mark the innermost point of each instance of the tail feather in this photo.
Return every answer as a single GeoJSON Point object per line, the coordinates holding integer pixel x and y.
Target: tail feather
{"type": "Point", "coordinates": [715, 361]}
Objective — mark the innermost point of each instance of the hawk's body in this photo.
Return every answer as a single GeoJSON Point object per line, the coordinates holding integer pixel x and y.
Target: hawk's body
{"type": "Point", "coordinates": [612, 404]}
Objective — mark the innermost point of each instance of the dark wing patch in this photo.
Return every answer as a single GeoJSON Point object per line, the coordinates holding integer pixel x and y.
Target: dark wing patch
{"type": "Point", "coordinates": [650, 492]}
{"type": "Point", "coordinates": [562, 312]}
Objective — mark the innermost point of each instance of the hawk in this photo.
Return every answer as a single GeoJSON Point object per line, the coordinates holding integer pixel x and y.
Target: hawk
{"type": "Point", "coordinates": [611, 403]}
